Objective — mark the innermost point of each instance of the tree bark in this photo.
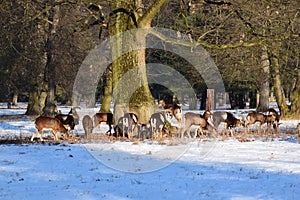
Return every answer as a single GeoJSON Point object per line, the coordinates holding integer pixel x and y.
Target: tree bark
{"type": "Point", "coordinates": [280, 97]}
{"type": "Point", "coordinates": [37, 98]}
{"type": "Point", "coordinates": [264, 92]}
{"type": "Point", "coordinates": [129, 71]}
{"type": "Point", "coordinates": [210, 100]}
{"type": "Point", "coordinates": [295, 98]}
{"type": "Point", "coordinates": [44, 67]}
{"type": "Point", "coordinates": [132, 62]}
{"type": "Point", "coordinates": [107, 97]}
{"type": "Point", "coordinates": [50, 66]}
{"type": "Point", "coordinates": [15, 97]}
{"type": "Point", "coordinates": [33, 107]}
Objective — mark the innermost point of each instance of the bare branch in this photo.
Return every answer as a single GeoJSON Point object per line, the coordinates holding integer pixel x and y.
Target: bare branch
{"type": "Point", "coordinates": [47, 9]}
{"type": "Point", "coordinates": [127, 12]}
{"type": "Point", "coordinates": [214, 46]}
{"type": "Point", "coordinates": [214, 29]}
{"type": "Point", "coordinates": [218, 2]}
{"type": "Point", "coordinates": [153, 9]}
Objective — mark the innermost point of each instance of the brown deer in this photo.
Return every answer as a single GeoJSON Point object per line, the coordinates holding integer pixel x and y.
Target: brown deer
{"type": "Point", "coordinates": [67, 120]}
{"type": "Point", "coordinates": [75, 115]}
{"type": "Point", "coordinates": [255, 117]}
{"type": "Point", "coordinates": [227, 117]}
{"type": "Point", "coordinates": [273, 112]}
{"type": "Point", "coordinates": [191, 118]}
{"type": "Point", "coordinates": [175, 109]}
{"type": "Point", "coordinates": [87, 124]}
{"type": "Point", "coordinates": [51, 123]}
{"type": "Point", "coordinates": [103, 117]}
{"type": "Point", "coordinates": [166, 105]}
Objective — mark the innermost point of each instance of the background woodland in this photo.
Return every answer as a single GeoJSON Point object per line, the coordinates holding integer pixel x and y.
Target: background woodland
{"type": "Point", "coordinates": [255, 45]}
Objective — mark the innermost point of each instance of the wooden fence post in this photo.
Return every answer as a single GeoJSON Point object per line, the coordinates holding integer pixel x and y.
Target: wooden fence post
{"type": "Point", "coordinates": [210, 100]}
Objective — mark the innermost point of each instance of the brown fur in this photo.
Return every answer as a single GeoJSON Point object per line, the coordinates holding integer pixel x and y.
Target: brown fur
{"type": "Point", "coordinates": [44, 122]}
{"type": "Point", "coordinates": [254, 117]}
{"type": "Point", "coordinates": [103, 117]}
{"type": "Point", "coordinates": [166, 105]}
{"type": "Point", "coordinates": [273, 112]}
{"type": "Point", "coordinates": [228, 118]}
{"type": "Point", "coordinates": [195, 119]}
{"type": "Point", "coordinates": [67, 120]}
{"type": "Point", "coordinates": [87, 124]}
{"type": "Point", "coordinates": [175, 109]}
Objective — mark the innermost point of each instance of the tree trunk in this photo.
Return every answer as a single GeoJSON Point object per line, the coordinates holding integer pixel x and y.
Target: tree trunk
{"type": "Point", "coordinates": [131, 90]}
{"type": "Point", "coordinates": [130, 86]}
{"type": "Point", "coordinates": [33, 107]}
{"type": "Point", "coordinates": [252, 97]}
{"type": "Point", "coordinates": [193, 103]}
{"type": "Point", "coordinates": [37, 98]}
{"type": "Point", "coordinates": [280, 98]}
{"type": "Point", "coordinates": [295, 98]}
{"type": "Point", "coordinates": [265, 86]}
{"type": "Point", "coordinates": [15, 97]}
{"type": "Point", "coordinates": [210, 100]}
{"type": "Point", "coordinates": [43, 85]}
{"type": "Point", "coordinates": [203, 100]}
{"type": "Point", "coordinates": [107, 97]}
{"type": "Point", "coordinates": [241, 100]}
{"type": "Point", "coordinates": [50, 66]}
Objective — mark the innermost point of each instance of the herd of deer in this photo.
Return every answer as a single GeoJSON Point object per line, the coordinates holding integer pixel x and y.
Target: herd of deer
{"type": "Point", "coordinates": [158, 126]}
{"type": "Point", "coordinates": [53, 119]}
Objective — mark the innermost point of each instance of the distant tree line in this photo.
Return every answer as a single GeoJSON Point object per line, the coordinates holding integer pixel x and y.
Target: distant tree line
{"type": "Point", "coordinates": [255, 45]}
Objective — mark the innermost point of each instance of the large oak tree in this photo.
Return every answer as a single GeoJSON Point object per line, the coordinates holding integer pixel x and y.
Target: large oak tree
{"type": "Point", "coordinates": [126, 16]}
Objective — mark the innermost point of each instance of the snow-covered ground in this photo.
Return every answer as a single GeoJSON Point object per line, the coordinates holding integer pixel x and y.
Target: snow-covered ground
{"type": "Point", "coordinates": [195, 169]}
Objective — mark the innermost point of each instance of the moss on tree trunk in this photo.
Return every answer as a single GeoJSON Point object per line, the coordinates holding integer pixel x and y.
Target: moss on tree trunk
{"type": "Point", "coordinates": [264, 91]}
{"type": "Point", "coordinates": [107, 97]}
{"type": "Point", "coordinates": [37, 99]}
{"type": "Point", "coordinates": [280, 97]}
{"type": "Point", "coordinates": [131, 92]}
{"type": "Point", "coordinates": [295, 99]}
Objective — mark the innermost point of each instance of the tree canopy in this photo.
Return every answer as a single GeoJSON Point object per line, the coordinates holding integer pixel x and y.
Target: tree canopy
{"type": "Point", "coordinates": [45, 42]}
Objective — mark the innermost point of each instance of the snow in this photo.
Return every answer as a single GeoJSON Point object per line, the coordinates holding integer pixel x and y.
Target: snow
{"type": "Point", "coordinates": [212, 168]}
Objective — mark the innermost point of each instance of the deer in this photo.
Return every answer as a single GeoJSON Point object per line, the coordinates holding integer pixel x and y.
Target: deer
{"type": "Point", "coordinates": [144, 131]}
{"type": "Point", "coordinates": [87, 124]}
{"type": "Point", "coordinates": [106, 117]}
{"type": "Point", "coordinates": [196, 119]}
{"type": "Point", "coordinates": [175, 109]}
{"type": "Point", "coordinates": [273, 112]}
{"type": "Point", "coordinates": [255, 117]}
{"type": "Point", "coordinates": [227, 117]}
{"type": "Point", "coordinates": [67, 120]}
{"type": "Point", "coordinates": [75, 115]}
{"type": "Point", "coordinates": [54, 124]}
{"type": "Point", "coordinates": [158, 121]}
{"type": "Point", "coordinates": [126, 125]}
{"type": "Point", "coordinates": [166, 105]}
